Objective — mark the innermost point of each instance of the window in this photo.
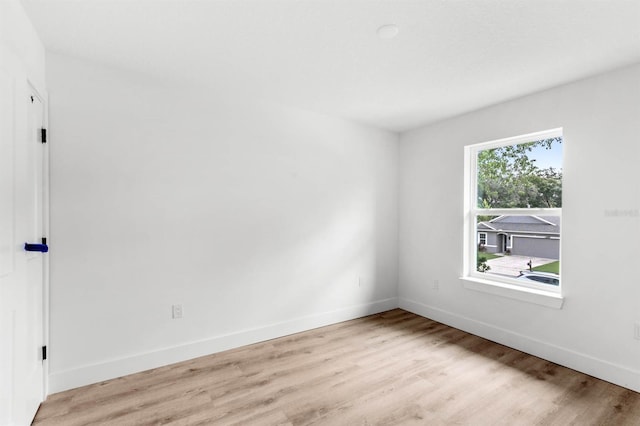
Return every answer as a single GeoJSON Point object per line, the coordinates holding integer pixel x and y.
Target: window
{"type": "Point", "coordinates": [513, 212]}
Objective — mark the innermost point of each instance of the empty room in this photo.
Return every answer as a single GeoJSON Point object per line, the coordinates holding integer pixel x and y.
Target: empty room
{"type": "Point", "coordinates": [296, 212]}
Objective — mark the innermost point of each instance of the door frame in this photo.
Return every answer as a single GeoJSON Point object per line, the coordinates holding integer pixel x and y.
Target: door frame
{"type": "Point", "coordinates": [44, 99]}
{"type": "Point", "coordinates": [502, 242]}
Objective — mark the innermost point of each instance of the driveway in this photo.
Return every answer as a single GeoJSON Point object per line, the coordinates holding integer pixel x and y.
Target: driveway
{"type": "Point", "coordinates": [512, 265]}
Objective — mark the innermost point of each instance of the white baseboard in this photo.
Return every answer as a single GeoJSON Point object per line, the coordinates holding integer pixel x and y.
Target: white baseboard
{"type": "Point", "coordinates": [619, 375]}
{"type": "Point", "coordinates": [88, 374]}
{"type": "Point", "coordinates": [94, 373]}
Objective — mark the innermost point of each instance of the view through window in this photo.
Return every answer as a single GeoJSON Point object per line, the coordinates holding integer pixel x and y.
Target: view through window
{"type": "Point", "coordinates": [516, 213]}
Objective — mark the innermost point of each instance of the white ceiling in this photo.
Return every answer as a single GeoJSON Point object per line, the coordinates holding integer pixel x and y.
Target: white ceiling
{"type": "Point", "coordinates": [450, 56]}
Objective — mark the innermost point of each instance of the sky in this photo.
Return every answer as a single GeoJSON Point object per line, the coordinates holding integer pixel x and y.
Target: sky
{"type": "Point", "coordinates": [546, 158]}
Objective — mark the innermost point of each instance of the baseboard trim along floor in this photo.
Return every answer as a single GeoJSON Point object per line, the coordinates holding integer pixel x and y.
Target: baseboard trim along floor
{"type": "Point", "coordinates": [109, 369]}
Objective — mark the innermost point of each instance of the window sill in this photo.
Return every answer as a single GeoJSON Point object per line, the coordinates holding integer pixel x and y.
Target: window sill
{"type": "Point", "coordinates": [539, 297]}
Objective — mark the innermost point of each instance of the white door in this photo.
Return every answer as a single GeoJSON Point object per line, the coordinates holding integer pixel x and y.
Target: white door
{"type": "Point", "coordinates": [22, 273]}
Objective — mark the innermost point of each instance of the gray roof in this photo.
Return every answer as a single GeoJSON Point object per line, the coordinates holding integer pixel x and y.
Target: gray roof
{"type": "Point", "coordinates": [529, 224]}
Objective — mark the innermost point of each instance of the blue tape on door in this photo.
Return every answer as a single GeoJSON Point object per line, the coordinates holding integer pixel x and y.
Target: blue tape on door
{"type": "Point", "coordinates": [43, 248]}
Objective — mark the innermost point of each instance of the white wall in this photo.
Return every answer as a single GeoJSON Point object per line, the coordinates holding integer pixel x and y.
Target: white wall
{"type": "Point", "coordinates": [593, 332]}
{"type": "Point", "coordinates": [260, 220]}
{"type": "Point", "coordinates": [19, 41]}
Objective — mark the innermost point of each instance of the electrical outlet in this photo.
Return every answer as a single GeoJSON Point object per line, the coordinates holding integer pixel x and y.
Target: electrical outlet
{"type": "Point", "coordinates": [176, 311]}
{"type": "Point", "coordinates": [436, 285]}
{"type": "Point", "coordinates": [636, 331]}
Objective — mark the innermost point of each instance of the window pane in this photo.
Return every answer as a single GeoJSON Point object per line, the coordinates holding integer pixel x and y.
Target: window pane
{"type": "Point", "coordinates": [523, 247]}
{"type": "Point", "coordinates": [526, 175]}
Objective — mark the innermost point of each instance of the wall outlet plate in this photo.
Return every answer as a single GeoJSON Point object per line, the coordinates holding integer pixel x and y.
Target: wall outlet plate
{"type": "Point", "coordinates": [176, 311]}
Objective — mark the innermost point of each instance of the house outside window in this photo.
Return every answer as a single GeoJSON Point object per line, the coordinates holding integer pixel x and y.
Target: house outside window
{"type": "Point", "coordinates": [513, 211]}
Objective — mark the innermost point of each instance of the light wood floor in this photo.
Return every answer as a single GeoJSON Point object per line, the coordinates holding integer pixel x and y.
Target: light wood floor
{"type": "Point", "coordinates": [386, 369]}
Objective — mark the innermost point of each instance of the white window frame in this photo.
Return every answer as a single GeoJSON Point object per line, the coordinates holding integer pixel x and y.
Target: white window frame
{"type": "Point", "coordinates": [550, 296]}
{"type": "Point", "coordinates": [480, 238]}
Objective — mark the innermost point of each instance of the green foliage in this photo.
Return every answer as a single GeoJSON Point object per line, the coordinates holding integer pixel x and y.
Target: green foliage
{"type": "Point", "coordinates": [488, 256]}
{"type": "Point", "coordinates": [481, 264]}
{"type": "Point", "coordinates": [549, 267]}
{"type": "Point", "coordinates": [508, 178]}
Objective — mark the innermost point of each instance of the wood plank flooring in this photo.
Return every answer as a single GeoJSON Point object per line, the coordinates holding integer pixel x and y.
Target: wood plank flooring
{"type": "Point", "coordinates": [394, 368]}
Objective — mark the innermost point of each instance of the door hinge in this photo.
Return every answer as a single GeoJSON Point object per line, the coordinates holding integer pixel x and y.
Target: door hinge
{"type": "Point", "coordinates": [44, 353]}
{"type": "Point", "coordinates": [43, 135]}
